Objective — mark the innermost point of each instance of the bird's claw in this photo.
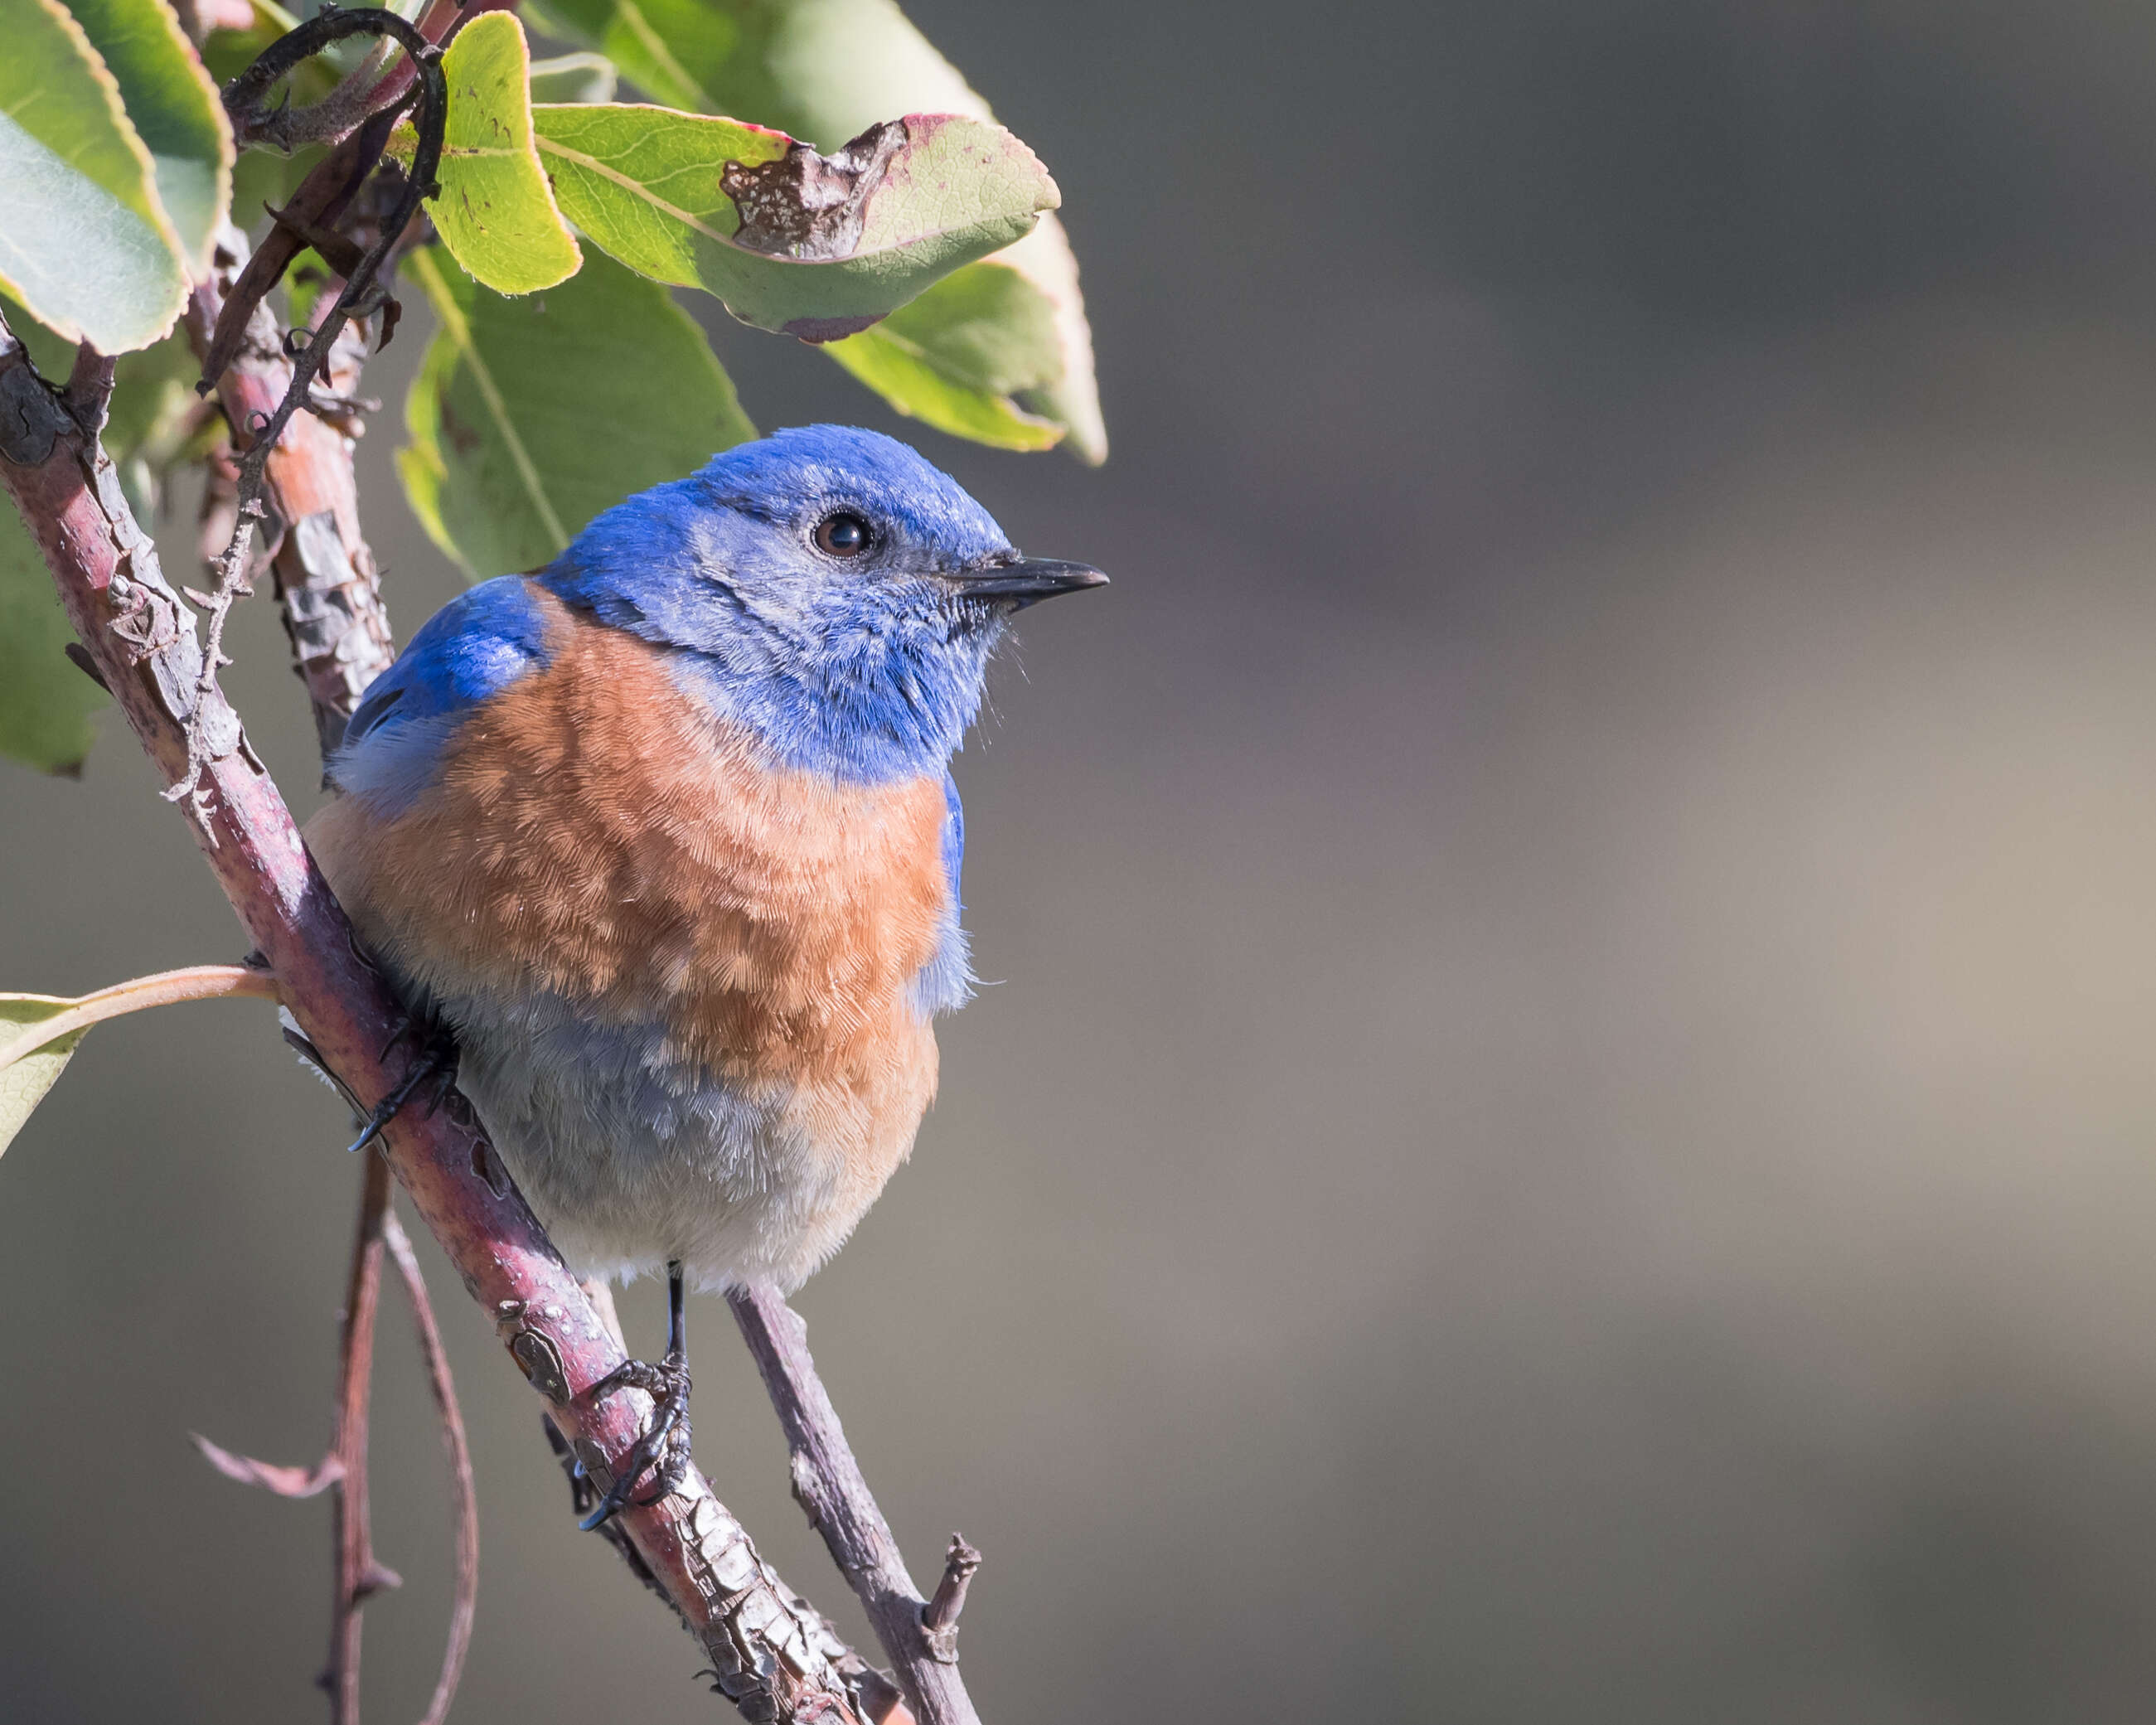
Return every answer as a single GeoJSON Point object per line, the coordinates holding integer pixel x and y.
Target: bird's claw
{"type": "Point", "coordinates": [437, 1063]}
{"type": "Point", "coordinates": [662, 1448]}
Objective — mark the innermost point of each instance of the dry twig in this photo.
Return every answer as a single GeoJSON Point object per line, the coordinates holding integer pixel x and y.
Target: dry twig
{"type": "Point", "coordinates": [457, 1449]}
{"type": "Point", "coordinates": [828, 1483]}
{"type": "Point", "coordinates": [327, 580]}
{"type": "Point", "coordinates": [242, 98]}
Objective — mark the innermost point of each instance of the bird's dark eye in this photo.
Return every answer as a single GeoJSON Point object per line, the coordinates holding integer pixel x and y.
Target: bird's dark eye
{"type": "Point", "coordinates": [842, 534]}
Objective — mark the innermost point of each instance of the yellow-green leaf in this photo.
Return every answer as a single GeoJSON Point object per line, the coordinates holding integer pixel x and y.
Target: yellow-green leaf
{"type": "Point", "coordinates": [957, 357]}
{"type": "Point", "coordinates": [529, 416]}
{"type": "Point", "coordinates": [85, 242]}
{"type": "Point", "coordinates": [810, 245]}
{"type": "Point", "coordinates": [24, 1081]}
{"type": "Point", "coordinates": [497, 213]}
{"type": "Point", "coordinates": [573, 78]}
{"type": "Point", "coordinates": [824, 70]}
{"type": "Point", "coordinates": [46, 705]}
{"type": "Point", "coordinates": [173, 102]}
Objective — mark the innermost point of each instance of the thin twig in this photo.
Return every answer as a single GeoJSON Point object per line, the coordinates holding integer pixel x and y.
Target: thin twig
{"type": "Point", "coordinates": [939, 1616]}
{"type": "Point", "coordinates": [330, 593]}
{"type": "Point", "coordinates": [463, 1496]}
{"type": "Point", "coordinates": [332, 607]}
{"type": "Point", "coordinates": [829, 1484]}
{"type": "Point", "coordinates": [241, 97]}
{"type": "Point", "coordinates": [776, 1657]}
{"type": "Point", "coordinates": [359, 1574]}
{"type": "Point", "coordinates": [319, 202]}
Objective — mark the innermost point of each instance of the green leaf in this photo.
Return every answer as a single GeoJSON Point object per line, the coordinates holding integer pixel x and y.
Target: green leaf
{"type": "Point", "coordinates": [530, 416]}
{"type": "Point", "coordinates": [84, 241]}
{"type": "Point", "coordinates": [154, 411]}
{"type": "Point", "coordinates": [827, 243]}
{"type": "Point", "coordinates": [955, 356]}
{"type": "Point", "coordinates": [173, 104]}
{"type": "Point", "coordinates": [670, 48]}
{"type": "Point", "coordinates": [573, 78]}
{"type": "Point", "coordinates": [45, 703]}
{"type": "Point", "coordinates": [824, 70]}
{"type": "Point", "coordinates": [40, 1032]}
{"type": "Point", "coordinates": [495, 213]}
{"type": "Point", "coordinates": [24, 1081]}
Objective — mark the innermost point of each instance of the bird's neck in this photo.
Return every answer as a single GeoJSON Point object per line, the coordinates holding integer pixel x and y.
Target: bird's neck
{"type": "Point", "coordinates": [887, 711]}
{"type": "Point", "coordinates": [865, 699]}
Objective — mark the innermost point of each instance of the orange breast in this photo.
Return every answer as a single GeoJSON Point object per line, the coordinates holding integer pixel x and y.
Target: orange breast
{"type": "Point", "coordinates": [597, 834]}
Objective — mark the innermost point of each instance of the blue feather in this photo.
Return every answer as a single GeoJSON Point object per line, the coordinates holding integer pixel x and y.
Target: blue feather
{"type": "Point", "coordinates": [869, 669]}
{"type": "Point", "coordinates": [469, 651]}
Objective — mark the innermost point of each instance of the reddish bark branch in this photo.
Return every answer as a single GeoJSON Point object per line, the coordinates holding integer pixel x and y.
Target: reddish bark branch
{"type": "Point", "coordinates": [828, 1483]}
{"type": "Point", "coordinates": [333, 616]}
{"type": "Point", "coordinates": [457, 1449]}
{"type": "Point", "coordinates": [331, 597]}
{"type": "Point", "coordinates": [773, 1656]}
{"type": "Point", "coordinates": [359, 1574]}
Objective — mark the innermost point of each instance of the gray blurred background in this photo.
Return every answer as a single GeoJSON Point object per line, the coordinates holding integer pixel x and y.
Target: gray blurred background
{"type": "Point", "coordinates": [1565, 1133]}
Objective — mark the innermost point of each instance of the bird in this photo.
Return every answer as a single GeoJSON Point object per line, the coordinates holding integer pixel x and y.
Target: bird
{"type": "Point", "coordinates": [663, 838]}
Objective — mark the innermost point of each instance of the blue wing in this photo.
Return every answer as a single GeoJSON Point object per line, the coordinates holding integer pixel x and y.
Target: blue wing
{"type": "Point", "coordinates": [469, 651]}
{"type": "Point", "coordinates": [946, 982]}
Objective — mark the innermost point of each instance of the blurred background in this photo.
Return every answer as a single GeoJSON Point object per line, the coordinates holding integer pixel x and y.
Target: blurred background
{"type": "Point", "coordinates": [1563, 1132]}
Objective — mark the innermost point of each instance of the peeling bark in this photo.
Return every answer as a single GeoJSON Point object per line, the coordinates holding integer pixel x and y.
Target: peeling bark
{"type": "Point", "coordinates": [329, 593]}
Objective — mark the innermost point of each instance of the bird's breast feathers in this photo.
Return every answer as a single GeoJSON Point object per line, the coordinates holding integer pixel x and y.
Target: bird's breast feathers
{"type": "Point", "coordinates": [595, 835]}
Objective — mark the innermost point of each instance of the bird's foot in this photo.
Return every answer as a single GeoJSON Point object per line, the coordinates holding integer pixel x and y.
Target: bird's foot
{"type": "Point", "coordinates": [662, 1450]}
{"type": "Point", "coordinates": [435, 1067]}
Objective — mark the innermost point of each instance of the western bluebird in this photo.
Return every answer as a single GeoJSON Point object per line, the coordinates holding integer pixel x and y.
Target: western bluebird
{"type": "Point", "coordinates": [665, 835]}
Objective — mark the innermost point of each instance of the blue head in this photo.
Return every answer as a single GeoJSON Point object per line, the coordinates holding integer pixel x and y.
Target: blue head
{"type": "Point", "coordinates": [825, 587]}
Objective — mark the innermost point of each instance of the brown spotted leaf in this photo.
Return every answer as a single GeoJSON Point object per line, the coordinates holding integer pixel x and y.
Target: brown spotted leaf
{"type": "Point", "coordinates": [788, 238]}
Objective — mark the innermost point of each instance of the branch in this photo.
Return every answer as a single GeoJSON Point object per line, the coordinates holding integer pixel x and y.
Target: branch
{"type": "Point", "coordinates": [773, 1655]}
{"type": "Point", "coordinates": [332, 607]}
{"type": "Point", "coordinates": [329, 591]}
{"type": "Point", "coordinates": [241, 97]}
{"type": "Point", "coordinates": [359, 1574]}
{"type": "Point", "coordinates": [828, 1483]}
{"type": "Point", "coordinates": [458, 1449]}
{"type": "Point", "coordinates": [940, 1615]}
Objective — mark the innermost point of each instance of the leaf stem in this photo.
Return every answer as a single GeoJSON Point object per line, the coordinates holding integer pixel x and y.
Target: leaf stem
{"type": "Point", "coordinates": [167, 988]}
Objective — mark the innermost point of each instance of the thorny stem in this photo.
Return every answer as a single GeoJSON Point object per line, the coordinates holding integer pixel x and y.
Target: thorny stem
{"type": "Point", "coordinates": [331, 600]}
{"type": "Point", "coordinates": [340, 639]}
{"type": "Point", "coordinates": [241, 97]}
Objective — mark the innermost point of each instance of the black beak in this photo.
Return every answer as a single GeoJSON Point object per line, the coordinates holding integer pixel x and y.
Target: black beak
{"type": "Point", "coordinates": [1027, 581]}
